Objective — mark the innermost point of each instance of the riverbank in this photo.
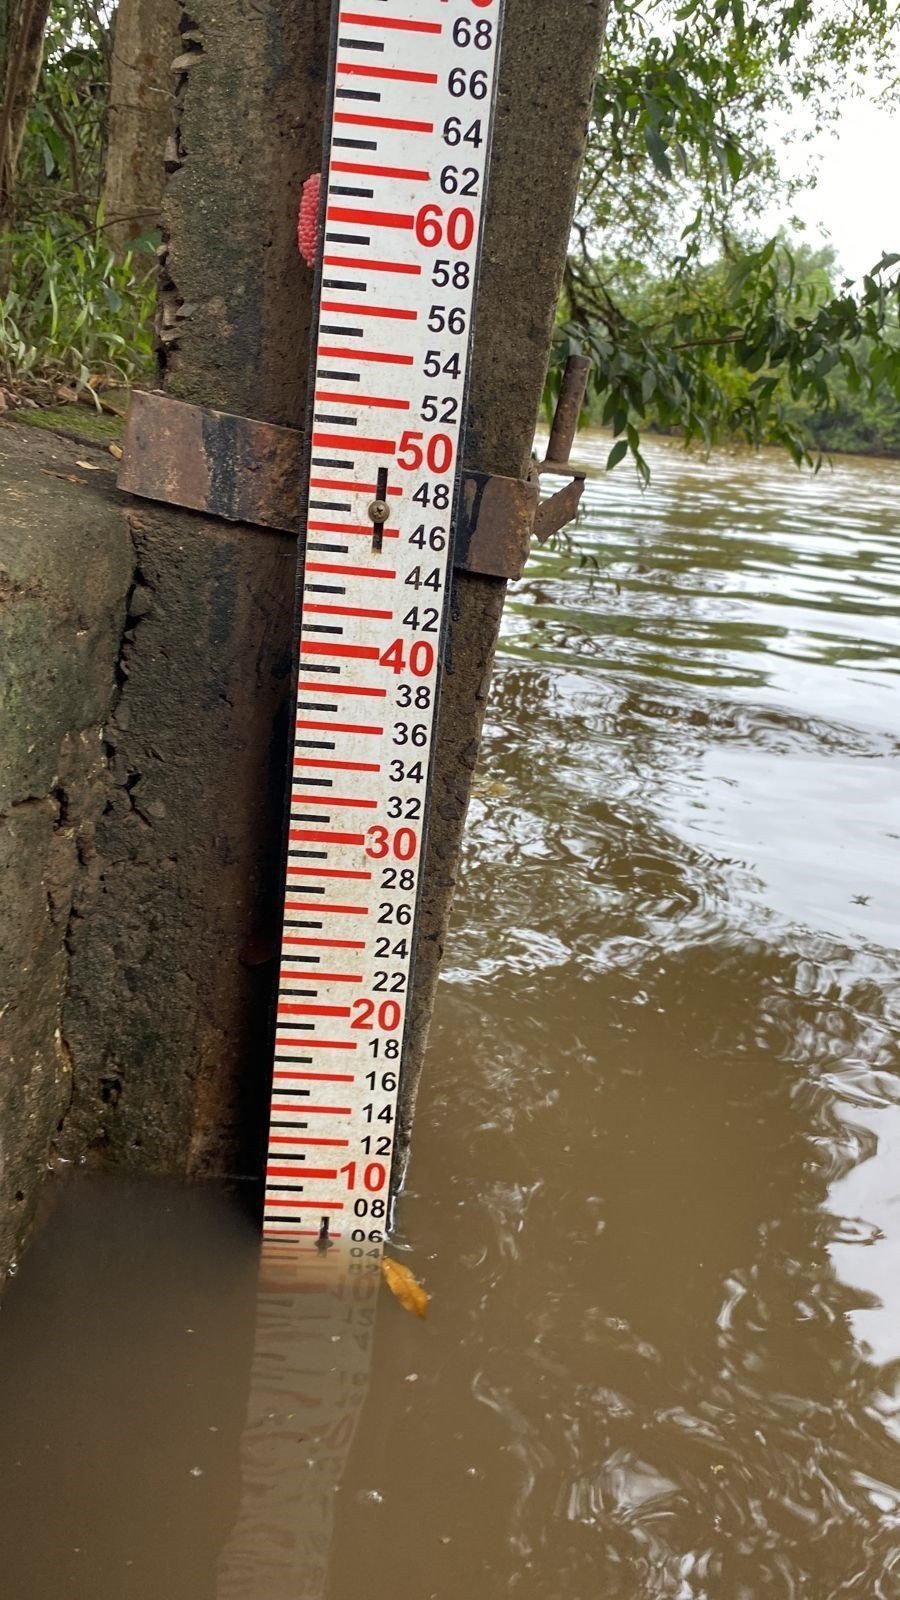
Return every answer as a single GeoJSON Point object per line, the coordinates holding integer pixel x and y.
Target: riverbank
{"type": "Point", "coordinates": [831, 444]}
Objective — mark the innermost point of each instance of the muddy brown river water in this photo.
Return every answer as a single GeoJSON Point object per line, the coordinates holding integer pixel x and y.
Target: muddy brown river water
{"type": "Point", "coordinates": [655, 1187]}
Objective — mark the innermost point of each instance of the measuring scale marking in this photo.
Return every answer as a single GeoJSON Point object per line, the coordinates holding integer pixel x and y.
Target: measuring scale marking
{"type": "Point", "coordinates": [414, 84]}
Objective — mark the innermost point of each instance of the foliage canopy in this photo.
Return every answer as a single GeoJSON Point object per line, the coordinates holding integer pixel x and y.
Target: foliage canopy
{"type": "Point", "coordinates": [695, 320]}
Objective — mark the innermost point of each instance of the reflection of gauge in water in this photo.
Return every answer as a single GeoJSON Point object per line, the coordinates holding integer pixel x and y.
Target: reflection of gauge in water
{"type": "Point", "coordinates": [312, 1353]}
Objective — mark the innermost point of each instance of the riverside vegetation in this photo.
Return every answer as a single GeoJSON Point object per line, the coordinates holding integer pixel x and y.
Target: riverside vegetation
{"type": "Point", "coordinates": [696, 322]}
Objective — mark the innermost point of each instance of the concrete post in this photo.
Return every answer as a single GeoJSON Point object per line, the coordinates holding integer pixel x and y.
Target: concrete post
{"type": "Point", "coordinates": [64, 573]}
{"type": "Point", "coordinates": [170, 992]}
{"type": "Point", "coordinates": [546, 80]}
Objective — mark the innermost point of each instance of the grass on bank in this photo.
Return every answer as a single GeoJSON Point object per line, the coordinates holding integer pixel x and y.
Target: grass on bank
{"type": "Point", "coordinates": [71, 314]}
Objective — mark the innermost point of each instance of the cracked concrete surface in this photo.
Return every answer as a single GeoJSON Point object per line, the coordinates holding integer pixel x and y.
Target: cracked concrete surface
{"type": "Point", "coordinates": [167, 1009]}
{"type": "Point", "coordinates": [65, 567]}
{"type": "Point", "coordinates": [144, 733]}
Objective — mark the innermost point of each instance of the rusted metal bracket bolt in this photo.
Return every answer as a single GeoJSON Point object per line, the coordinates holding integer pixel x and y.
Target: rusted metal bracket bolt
{"type": "Point", "coordinates": [379, 511]}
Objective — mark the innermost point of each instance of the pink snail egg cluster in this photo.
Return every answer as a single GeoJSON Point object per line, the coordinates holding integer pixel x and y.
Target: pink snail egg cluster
{"type": "Point", "coordinates": [308, 220]}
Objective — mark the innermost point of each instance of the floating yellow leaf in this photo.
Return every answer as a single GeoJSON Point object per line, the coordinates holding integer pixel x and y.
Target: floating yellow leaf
{"type": "Point", "coordinates": [490, 789]}
{"type": "Point", "coordinates": [115, 450]}
{"type": "Point", "coordinates": [405, 1286]}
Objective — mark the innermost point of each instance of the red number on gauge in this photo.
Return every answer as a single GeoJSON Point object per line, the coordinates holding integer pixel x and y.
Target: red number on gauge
{"type": "Point", "coordinates": [431, 227]}
{"type": "Point", "coordinates": [420, 661]}
{"type": "Point", "coordinates": [388, 1015]}
{"type": "Point", "coordinates": [413, 450]}
{"type": "Point", "coordinates": [381, 842]}
{"type": "Point", "coordinates": [374, 1175]}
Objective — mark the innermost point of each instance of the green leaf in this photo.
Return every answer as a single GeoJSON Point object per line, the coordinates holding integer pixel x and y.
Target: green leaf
{"type": "Point", "coordinates": [734, 160]}
{"type": "Point", "coordinates": [618, 453]}
{"type": "Point", "coordinates": [54, 301]}
{"type": "Point", "coordinates": [657, 151]}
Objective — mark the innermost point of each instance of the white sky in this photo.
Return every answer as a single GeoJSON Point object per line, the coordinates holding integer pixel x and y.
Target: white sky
{"type": "Point", "coordinates": [857, 199]}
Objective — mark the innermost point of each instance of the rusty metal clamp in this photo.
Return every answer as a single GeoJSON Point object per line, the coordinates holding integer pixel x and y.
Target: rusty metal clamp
{"type": "Point", "coordinates": [244, 470]}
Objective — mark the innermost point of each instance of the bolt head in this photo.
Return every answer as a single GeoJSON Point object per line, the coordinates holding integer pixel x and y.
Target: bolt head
{"type": "Point", "coordinates": [379, 511]}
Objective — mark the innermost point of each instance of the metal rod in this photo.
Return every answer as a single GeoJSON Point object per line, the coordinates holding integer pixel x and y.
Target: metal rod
{"type": "Point", "coordinates": [568, 409]}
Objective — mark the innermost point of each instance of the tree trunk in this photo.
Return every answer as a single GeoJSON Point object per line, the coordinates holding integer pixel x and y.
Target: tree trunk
{"type": "Point", "coordinates": [22, 24]}
{"type": "Point", "coordinates": [145, 43]}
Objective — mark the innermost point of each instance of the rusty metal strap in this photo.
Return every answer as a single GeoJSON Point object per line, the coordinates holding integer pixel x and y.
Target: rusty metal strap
{"type": "Point", "coordinates": [248, 471]}
{"type": "Point", "coordinates": [494, 524]}
{"type": "Point", "coordinates": [211, 461]}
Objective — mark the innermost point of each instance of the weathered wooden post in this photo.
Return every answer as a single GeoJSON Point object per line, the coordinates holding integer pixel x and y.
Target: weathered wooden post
{"type": "Point", "coordinates": [172, 976]}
